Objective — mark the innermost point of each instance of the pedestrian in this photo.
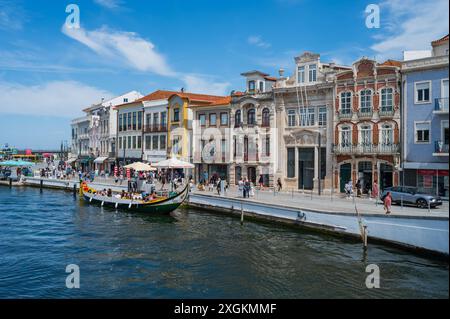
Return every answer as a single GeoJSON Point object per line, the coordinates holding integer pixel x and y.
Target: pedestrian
{"type": "Point", "coordinates": [241, 188]}
{"type": "Point", "coordinates": [218, 186]}
{"type": "Point", "coordinates": [358, 188]}
{"type": "Point", "coordinates": [375, 190]}
{"type": "Point", "coordinates": [261, 182]}
{"type": "Point", "coordinates": [247, 187]}
{"type": "Point", "coordinates": [279, 185]}
{"type": "Point", "coordinates": [388, 203]}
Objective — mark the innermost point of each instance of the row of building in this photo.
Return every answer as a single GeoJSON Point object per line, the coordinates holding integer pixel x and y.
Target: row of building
{"type": "Point", "coordinates": [318, 128]}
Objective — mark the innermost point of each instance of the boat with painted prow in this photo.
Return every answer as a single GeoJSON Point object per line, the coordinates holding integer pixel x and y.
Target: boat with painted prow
{"type": "Point", "coordinates": [161, 204]}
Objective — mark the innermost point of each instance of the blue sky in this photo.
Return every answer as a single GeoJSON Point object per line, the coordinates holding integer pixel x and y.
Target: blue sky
{"type": "Point", "coordinates": [48, 73]}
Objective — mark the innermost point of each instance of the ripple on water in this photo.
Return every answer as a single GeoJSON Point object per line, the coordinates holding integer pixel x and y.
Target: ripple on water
{"type": "Point", "coordinates": [189, 254]}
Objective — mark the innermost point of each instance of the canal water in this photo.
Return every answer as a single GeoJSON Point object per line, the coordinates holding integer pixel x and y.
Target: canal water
{"type": "Point", "coordinates": [190, 254]}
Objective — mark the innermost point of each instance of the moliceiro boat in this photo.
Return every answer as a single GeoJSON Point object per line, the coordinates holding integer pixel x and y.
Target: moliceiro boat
{"type": "Point", "coordinates": [159, 204]}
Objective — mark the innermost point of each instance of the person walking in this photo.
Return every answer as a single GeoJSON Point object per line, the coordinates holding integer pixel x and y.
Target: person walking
{"type": "Point", "coordinates": [241, 188]}
{"type": "Point", "coordinates": [261, 182]}
{"type": "Point", "coordinates": [218, 186]}
{"type": "Point", "coordinates": [388, 203]}
{"type": "Point", "coordinates": [358, 188]}
{"type": "Point", "coordinates": [375, 190]}
{"type": "Point", "coordinates": [247, 188]}
{"type": "Point", "coordinates": [279, 185]}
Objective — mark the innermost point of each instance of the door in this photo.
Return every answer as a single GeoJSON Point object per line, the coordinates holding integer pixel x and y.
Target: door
{"type": "Point", "coordinates": [345, 175]}
{"type": "Point", "coordinates": [444, 94]}
{"type": "Point", "coordinates": [386, 176]}
{"type": "Point", "coordinates": [251, 174]}
{"type": "Point", "coordinates": [306, 168]}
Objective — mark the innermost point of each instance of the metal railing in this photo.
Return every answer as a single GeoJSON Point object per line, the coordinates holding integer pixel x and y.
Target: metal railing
{"type": "Point", "coordinates": [386, 113]}
{"type": "Point", "coordinates": [365, 114]}
{"type": "Point", "coordinates": [345, 114]}
{"type": "Point", "coordinates": [440, 147]}
{"type": "Point", "coordinates": [441, 105]}
{"type": "Point", "coordinates": [366, 149]}
{"type": "Point", "coordinates": [155, 128]}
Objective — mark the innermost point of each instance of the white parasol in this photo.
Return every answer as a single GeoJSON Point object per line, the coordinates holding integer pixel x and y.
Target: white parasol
{"type": "Point", "coordinates": [140, 167]}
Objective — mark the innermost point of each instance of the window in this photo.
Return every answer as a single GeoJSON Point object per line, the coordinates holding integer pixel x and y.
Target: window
{"type": "Point", "coordinates": [120, 122]}
{"type": "Point", "coordinates": [238, 174]}
{"type": "Point", "coordinates": [148, 142]}
{"type": "Point", "coordinates": [366, 101]}
{"type": "Point", "coordinates": [346, 136]}
{"type": "Point", "coordinates": [120, 142]}
{"type": "Point", "coordinates": [322, 116]}
{"type": "Point", "coordinates": [155, 142]}
{"type": "Point", "coordinates": [129, 142]}
{"type": "Point", "coordinates": [251, 120]}
{"type": "Point", "coordinates": [422, 92]}
{"type": "Point", "coordinates": [139, 142]}
{"type": "Point", "coordinates": [307, 116]}
{"type": "Point", "coordinates": [387, 135]}
{"type": "Point", "coordinates": [176, 149]}
{"type": "Point", "coordinates": [422, 132]}
{"type": "Point", "coordinates": [444, 132]}
{"type": "Point", "coordinates": [387, 104]}
{"type": "Point", "coordinates": [125, 100]}
{"type": "Point", "coordinates": [202, 119]}
{"type": "Point", "coordinates": [366, 135]}
{"type": "Point", "coordinates": [129, 121]}
{"type": "Point", "coordinates": [261, 86]}
{"type": "Point", "coordinates": [134, 121]}
{"type": "Point", "coordinates": [212, 119]}
{"type": "Point", "coordinates": [251, 86]}
{"type": "Point", "coordinates": [266, 117]}
{"type": "Point", "coordinates": [148, 120]}
{"type": "Point", "coordinates": [223, 119]}
{"type": "Point", "coordinates": [301, 74]}
{"type": "Point", "coordinates": [237, 118]}
{"type": "Point", "coordinates": [134, 142]}
{"type": "Point", "coordinates": [267, 146]}
{"type": "Point", "coordinates": [312, 73]}
{"type": "Point", "coordinates": [155, 120]}
{"type": "Point", "coordinates": [346, 103]}
{"type": "Point", "coordinates": [139, 125]}
{"type": "Point", "coordinates": [291, 118]}
{"type": "Point", "coordinates": [176, 115]}
{"type": "Point", "coordinates": [162, 142]}
{"type": "Point", "coordinates": [291, 162]}
{"type": "Point", "coordinates": [223, 148]}
{"type": "Point", "coordinates": [163, 119]}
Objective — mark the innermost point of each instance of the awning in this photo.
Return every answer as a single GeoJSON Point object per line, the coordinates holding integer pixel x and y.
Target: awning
{"type": "Point", "coordinates": [71, 160]}
{"type": "Point", "coordinates": [418, 165]}
{"type": "Point", "coordinates": [100, 160]}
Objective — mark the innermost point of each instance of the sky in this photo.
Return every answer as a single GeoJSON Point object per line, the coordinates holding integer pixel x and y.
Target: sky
{"type": "Point", "coordinates": [50, 72]}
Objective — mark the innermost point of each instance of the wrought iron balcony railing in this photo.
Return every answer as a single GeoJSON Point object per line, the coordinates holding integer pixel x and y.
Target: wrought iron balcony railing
{"type": "Point", "coordinates": [441, 105]}
{"type": "Point", "coordinates": [366, 149]}
{"type": "Point", "coordinates": [440, 147]}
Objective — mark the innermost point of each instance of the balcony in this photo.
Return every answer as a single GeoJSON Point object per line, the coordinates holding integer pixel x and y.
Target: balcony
{"type": "Point", "coordinates": [386, 113]}
{"type": "Point", "coordinates": [345, 114]}
{"type": "Point", "coordinates": [363, 149]}
{"type": "Point", "coordinates": [155, 128]}
{"type": "Point", "coordinates": [440, 149]}
{"type": "Point", "coordinates": [365, 114]}
{"type": "Point", "coordinates": [441, 106]}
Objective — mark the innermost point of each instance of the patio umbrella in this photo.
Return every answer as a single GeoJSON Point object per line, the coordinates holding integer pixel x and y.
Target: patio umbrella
{"type": "Point", "coordinates": [174, 163]}
{"type": "Point", "coordinates": [19, 163]}
{"type": "Point", "coordinates": [140, 167]}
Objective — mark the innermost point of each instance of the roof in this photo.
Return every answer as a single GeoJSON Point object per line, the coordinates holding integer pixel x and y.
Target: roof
{"type": "Point", "coordinates": [204, 99]}
{"type": "Point", "coordinates": [391, 63]}
{"type": "Point", "coordinates": [440, 41]}
{"type": "Point", "coordinates": [270, 78]}
{"type": "Point", "coordinates": [255, 72]}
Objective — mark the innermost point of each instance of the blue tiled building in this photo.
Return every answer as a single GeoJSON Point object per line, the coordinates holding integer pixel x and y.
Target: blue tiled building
{"type": "Point", "coordinates": [425, 117]}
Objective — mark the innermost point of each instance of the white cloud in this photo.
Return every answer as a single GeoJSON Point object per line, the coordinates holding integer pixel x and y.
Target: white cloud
{"type": "Point", "coordinates": [410, 25]}
{"type": "Point", "coordinates": [109, 4]}
{"type": "Point", "coordinates": [58, 98]}
{"type": "Point", "coordinates": [258, 41]}
{"type": "Point", "coordinates": [205, 84]}
{"type": "Point", "coordinates": [125, 47]}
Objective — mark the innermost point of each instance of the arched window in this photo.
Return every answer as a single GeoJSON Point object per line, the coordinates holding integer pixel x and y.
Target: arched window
{"type": "Point", "coordinates": [237, 119]}
{"type": "Point", "coordinates": [346, 136]}
{"type": "Point", "coordinates": [387, 104]}
{"type": "Point", "coordinates": [266, 117]}
{"type": "Point", "coordinates": [365, 101]}
{"type": "Point", "coordinates": [251, 118]}
{"type": "Point", "coordinates": [387, 135]}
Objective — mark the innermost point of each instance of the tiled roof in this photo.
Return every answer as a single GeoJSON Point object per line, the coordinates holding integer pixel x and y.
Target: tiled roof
{"type": "Point", "coordinates": [439, 41]}
{"type": "Point", "coordinates": [391, 63]}
{"type": "Point", "coordinates": [270, 78]}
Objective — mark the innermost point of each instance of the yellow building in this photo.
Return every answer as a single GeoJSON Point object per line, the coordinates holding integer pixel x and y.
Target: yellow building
{"type": "Point", "coordinates": [180, 117]}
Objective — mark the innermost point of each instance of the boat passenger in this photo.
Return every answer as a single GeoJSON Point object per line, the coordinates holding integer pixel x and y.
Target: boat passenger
{"type": "Point", "coordinates": [109, 194]}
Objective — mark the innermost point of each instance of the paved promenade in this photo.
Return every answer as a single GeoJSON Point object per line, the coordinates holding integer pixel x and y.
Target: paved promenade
{"type": "Point", "coordinates": [336, 203]}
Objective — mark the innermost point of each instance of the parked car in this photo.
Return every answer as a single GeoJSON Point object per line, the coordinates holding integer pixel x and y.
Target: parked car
{"type": "Point", "coordinates": [411, 196]}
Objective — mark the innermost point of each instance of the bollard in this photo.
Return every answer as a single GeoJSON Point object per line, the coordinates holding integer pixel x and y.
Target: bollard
{"type": "Point", "coordinates": [429, 207]}
{"type": "Point", "coordinates": [311, 194]}
{"type": "Point", "coordinates": [274, 194]}
{"type": "Point", "coordinates": [10, 182]}
{"type": "Point", "coordinates": [74, 189]}
{"type": "Point", "coordinates": [242, 215]}
{"type": "Point", "coordinates": [401, 200]}
{"type": "Point", "coordinates": [365, 237]}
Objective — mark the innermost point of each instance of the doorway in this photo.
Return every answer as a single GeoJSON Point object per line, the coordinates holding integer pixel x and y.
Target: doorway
{"type": "Point", "coordinates": [306, 168]}
{"type": "Point", "coordinates": [251, 175]}
{"type": "Point", "coordinates": [365, 176]}
{"type": "Point", "coordinates": [386, 176]}
{"type": "Point", "coordinates": [345, 175]}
